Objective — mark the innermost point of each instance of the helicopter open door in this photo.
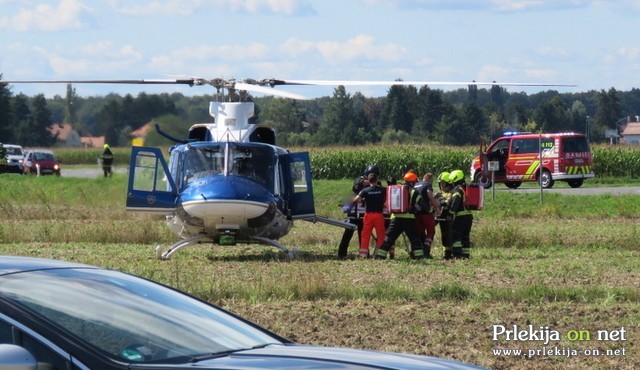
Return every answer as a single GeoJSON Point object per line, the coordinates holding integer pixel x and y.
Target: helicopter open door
{"type": "Point", "coordinates": [296, 173]}
{"type": "Point", "coordinates": [151, 188]}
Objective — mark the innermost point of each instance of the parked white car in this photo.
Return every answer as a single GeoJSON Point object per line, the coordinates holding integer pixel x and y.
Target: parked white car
{"type": "Point", "coordinates": [15, 157]}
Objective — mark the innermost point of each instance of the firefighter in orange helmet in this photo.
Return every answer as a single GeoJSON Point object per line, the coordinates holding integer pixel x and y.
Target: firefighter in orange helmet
{"type": "Point", "coordinates": [404, 221]}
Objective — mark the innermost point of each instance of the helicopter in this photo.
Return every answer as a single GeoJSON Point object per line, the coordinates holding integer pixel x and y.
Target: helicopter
{"type": "Point", "coordinates": [227, 182]}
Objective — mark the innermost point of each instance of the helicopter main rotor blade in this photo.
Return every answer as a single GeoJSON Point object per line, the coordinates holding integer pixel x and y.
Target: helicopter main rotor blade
{"type": "Point", "coordinates": [190, 81]}
{"type": "Point", "coordinates": [406, 83]}
{"type": "Point", "coordinates": [218, 83]}
{"type": "Point", "coordinates": [268, 91]}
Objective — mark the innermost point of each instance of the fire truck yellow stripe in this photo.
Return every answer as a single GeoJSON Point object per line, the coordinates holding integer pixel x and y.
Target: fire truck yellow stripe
{"type": "Point", "coordinates": [532, 167]}
{"type": "Point", "coordinates": [578, 170]}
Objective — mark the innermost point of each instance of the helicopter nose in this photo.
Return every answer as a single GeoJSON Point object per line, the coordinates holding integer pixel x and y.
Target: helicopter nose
{"type": "Point", "coordinates": [228, 199]}
{"type": "Point", "coordinates": [239, 188]}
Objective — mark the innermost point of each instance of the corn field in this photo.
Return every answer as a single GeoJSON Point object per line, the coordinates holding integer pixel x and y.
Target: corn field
{"type": "Point", "coordinates": [394, 160]}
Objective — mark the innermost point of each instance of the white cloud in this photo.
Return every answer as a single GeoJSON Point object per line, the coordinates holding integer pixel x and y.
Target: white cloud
{"type": "Point", "coordinates": [541, 75]}
{"type": "Point", "coordinates": [96, 59]}
{"type": "Point", "coordinates": [549, 51]}
{"type": "Point", "coordinates": [630, 53]}
{"type": "Point", "coordinates": [335, 52]}
{"type": "Point", "coordinates": [516, 5]}
{"type": "Point", "coordinates": [489, 73]}
{"type": "Point", "coordinates": [68, 15]}
{"type": "Point", "coordinates": [220, 52]}
{"type": "Point", "coordinates": [189, 7]}
{"type": "Point", "coordinates": [170, 7]}
{"type": "Point", "coordinates": [208, 60]}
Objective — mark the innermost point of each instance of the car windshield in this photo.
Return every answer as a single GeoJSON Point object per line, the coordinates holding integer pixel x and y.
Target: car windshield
{"type": "Point", "coordinates": [130, 318]}
{"type": "Point", "coordinates": [12, 150]}
{"type": "Point", "coordinates": [44, 156]}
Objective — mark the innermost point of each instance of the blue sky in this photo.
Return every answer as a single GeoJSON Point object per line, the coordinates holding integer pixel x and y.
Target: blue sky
{"type": "Point", "coordinates": [592, 44]}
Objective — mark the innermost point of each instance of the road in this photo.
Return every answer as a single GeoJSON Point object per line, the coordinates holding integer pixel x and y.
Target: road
{"type": "Point", "coordinates": [613, 190]}
{"type": "Point", "coordinates": [89, 172]}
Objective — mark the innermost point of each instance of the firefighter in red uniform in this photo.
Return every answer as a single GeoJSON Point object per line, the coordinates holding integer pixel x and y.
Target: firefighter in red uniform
{"type": "Point", "coordinates": [374, 197]}
{"type": "Point", "coordinates": [405, 222]}
{"type": "Point", "coordinates": [462, 218]}
{"type": "Point", "coordinates": [425, 219]}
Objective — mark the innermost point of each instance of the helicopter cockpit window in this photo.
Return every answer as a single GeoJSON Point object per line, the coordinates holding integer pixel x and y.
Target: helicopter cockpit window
{"type": "Point", "coordinates": [255, 163]}
{"type": "Point", "coordinates": [202, 162]}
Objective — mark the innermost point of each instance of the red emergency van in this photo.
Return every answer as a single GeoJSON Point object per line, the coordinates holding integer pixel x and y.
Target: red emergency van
{"type": "Point", "coordinates": [516, 158]}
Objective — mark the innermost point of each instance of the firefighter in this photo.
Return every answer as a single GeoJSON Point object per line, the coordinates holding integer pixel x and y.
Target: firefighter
{"type": "Point", "coordinates": [107, 160]}
{"type": "Point", "coordinates": [3, 159]}
{"type": "Point", "coordinates": [361, 182]}
{"type": "Point", "coordinates": [444, 196]}
{"type": "Point", "coordinates": [374, 197]}
{"type": "Point", "coordinates": [460, 216]}
{"type": "Point", "coordinates": [352, 210]}
{"type": "Point", "coordinates": [405, 222]}
{"type": "Point", "coordinates": [425, 219]}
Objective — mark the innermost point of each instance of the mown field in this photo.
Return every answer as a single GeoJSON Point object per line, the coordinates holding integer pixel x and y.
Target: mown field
{"type": "Point", "coordinates": [570, 264]}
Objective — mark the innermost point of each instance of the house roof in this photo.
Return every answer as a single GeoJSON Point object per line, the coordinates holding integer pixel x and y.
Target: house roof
{"type": "Point", "coordinates": [92, 142]}
{"type": "Point", "coordinates": [61, 130]}
{"type": "Point", "coordinates": [142, 131]}
{"type": "Point", "coordinates": [633, 128]}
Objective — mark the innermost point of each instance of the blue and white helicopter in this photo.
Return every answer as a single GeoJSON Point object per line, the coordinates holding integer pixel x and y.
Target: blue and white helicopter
{"type": "Point", "coordinates": [227, 182]}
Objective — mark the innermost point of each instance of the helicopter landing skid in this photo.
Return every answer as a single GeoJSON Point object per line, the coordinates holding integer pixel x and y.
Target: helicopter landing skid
{"type": "Point", "coordinates": [175, 247]}
{"type": "Point", "coordinates": [165, 255]}
{"type": "Point", "coordinates": [273, 243]}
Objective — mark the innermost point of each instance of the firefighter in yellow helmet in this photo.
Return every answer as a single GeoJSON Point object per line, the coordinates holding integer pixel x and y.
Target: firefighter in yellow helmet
{"type": "Point", "coordinates": [460, 216]}
{"type": "Point", "coordinates": [444, 197]}
{"type": "Point", "coordinates": [404, 221]}
{"type": "Point", "coordinates": [3, 159]}
{"type": "Point", "coordinates": [107, 160]}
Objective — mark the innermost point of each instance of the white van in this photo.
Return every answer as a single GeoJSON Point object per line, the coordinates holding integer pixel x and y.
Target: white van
{"type": "Point", "coordinates": [15, 158]}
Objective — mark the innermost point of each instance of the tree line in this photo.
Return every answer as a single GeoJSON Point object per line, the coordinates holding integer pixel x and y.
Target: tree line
{"type": "Point", "coordinates": [407, 114]}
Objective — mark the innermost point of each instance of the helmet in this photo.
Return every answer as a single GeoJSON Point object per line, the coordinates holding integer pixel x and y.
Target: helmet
{"type": "Point", "coordinates": [106, 146]}
{"type": "Point", "coordinates": [410, 177]}
{"type": "Point", "coordinates": [372, 168]}
{"type": "Point", "coordinates": [443, 177]}
{"type": "Point", "coordinates": [456, 176]}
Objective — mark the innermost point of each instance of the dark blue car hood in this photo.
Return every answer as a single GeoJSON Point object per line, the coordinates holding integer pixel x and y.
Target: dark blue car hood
{"type": "Point", "coordinates": [302, 357]}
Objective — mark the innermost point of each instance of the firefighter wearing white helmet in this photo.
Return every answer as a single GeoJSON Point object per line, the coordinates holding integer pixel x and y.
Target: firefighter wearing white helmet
{"type": "Point", "coordinates": [461, 218]}
{"type": "Point", "coordinates": [405, 221]}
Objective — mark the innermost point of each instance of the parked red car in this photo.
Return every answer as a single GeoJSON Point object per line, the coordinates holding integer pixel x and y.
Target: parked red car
{"type": "Point", "coordinates": [41, 162]}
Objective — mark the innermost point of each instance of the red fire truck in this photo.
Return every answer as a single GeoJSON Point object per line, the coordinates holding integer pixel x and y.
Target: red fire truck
{"type": "Point", "coordinates": [516, 158]}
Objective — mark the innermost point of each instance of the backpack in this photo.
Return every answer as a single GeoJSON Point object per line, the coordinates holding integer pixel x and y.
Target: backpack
{"type": "Point", "coordinates": [398, 199]}
{"type": "Point", "coordinates": [474, 197]}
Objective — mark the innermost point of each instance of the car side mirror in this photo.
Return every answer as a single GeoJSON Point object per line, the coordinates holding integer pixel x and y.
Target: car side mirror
{"type": "Point", "coordinates": [16, 358]}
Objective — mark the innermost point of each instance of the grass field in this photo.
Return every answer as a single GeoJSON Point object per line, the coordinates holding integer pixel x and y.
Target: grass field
{"type": "Point", "coordinates": [568, 266]}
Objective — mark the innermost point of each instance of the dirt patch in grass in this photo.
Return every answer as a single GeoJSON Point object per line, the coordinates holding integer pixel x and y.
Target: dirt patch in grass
{"type": "Point", "coordinates": [455, 330]}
